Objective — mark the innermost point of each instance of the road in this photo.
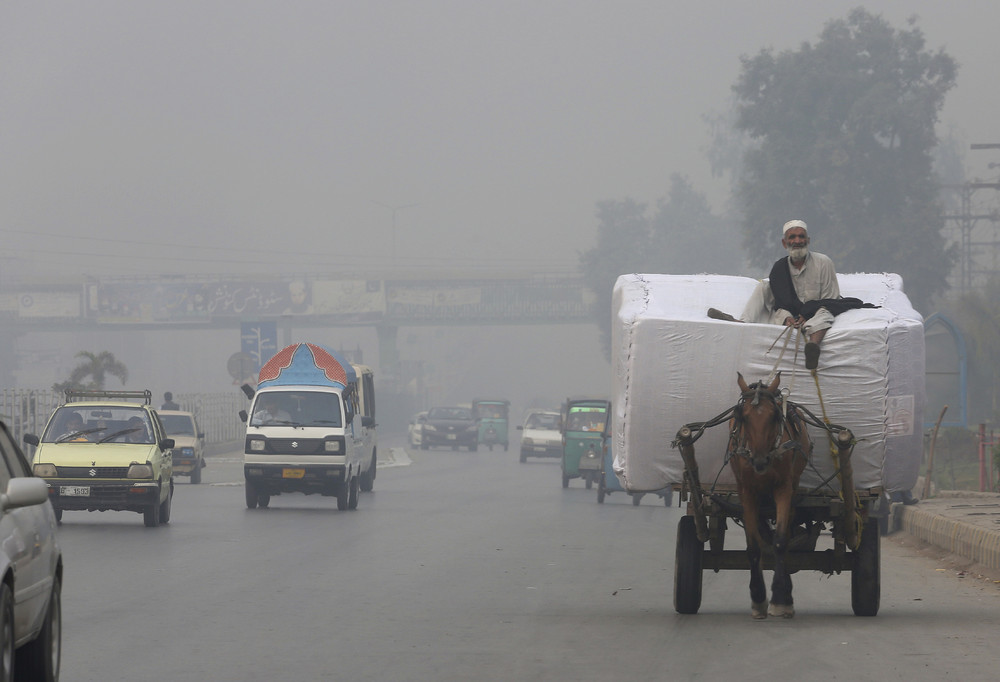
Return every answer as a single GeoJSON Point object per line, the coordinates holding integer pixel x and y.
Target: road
{"type": "Point", "coordinates": [471, 566]}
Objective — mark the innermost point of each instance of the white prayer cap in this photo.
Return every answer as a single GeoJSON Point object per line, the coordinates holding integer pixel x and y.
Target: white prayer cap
{"type": "Point", "coordinates": [793, 223]}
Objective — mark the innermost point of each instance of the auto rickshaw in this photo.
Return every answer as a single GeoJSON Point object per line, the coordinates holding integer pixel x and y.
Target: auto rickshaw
{"type": "Point", "coordinates": [583, 426]}
{"type": "Point", "coordinates": [492, 416]}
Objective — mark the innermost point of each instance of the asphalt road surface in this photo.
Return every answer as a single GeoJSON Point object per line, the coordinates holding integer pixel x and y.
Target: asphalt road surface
{"type": "Point", "coordinates": [471, 566]}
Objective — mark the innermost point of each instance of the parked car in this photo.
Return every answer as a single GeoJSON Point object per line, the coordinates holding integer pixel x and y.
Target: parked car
{"type": "Point", "coordinates": [31, 568]}
{"type": "Point", "coordinates": [540, 435]}
{"type": "Point", "coordinates": [450, 426]}
{"type": "Point", "coordinates": [189, 443]}
{"type": "Point", "coordinates": [106, 450]}
{"type": "Point", "coordinates": [416, 428]}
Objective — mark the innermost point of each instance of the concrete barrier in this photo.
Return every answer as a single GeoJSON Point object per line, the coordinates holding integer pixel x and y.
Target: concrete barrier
{"type": "Point", "coordinates": [966, 524]}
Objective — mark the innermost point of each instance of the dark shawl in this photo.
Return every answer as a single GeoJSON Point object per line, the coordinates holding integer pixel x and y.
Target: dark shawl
{"type": "Point", "coordinates": [785, 297]}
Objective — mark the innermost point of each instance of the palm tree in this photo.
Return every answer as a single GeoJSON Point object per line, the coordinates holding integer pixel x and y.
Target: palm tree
{"type": "Point", "coordinates": [96, 366]}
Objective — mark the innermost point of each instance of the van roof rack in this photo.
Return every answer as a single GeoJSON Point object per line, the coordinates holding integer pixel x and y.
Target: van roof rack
{"type": "Point", "coordinates": [78, 395]}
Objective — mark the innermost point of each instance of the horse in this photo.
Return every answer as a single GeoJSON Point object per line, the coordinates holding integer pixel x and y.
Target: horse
{"type": "Point", "coordinates": [768, 449]}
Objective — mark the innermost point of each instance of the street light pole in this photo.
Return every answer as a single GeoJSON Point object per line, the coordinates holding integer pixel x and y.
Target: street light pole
{"type": "Point", "coordinates": [394, 210]}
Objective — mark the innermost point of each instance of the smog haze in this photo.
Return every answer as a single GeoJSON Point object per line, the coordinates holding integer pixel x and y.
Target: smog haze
{"type": "Point", "coordinates": [204, 138]}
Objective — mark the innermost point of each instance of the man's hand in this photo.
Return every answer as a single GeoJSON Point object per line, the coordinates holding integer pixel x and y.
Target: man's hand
{"type": "Point", "coordinates": [794, 321]}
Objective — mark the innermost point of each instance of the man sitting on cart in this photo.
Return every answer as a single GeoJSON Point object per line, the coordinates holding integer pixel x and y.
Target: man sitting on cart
{"type": "Point", "coordinates": [801, 292]}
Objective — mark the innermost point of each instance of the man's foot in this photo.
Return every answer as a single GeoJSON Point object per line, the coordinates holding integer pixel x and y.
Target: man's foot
{"type": "Point", "coordinates": [717, 314]}
{"type": "Point", "coordinates": [812, 355]}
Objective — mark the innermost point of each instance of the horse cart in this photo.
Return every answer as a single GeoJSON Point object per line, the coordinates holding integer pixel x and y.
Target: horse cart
{"type": "Point", "coordinates": [804, 492]}
{"type": "Point", "coordinates": [847, 519]}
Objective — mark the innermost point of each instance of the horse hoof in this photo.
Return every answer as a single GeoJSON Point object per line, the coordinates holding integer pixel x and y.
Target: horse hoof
{"type": "Point", "coordinates": [758, 611]}
{"type": "Point", "coordinates": [781, 610]}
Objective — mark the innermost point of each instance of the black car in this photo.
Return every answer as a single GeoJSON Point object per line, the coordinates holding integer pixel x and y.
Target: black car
{"type": "Point", "coordinates": [450, 426]}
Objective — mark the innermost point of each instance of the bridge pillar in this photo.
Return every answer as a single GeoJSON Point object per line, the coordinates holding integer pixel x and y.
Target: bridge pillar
{"type": "Point", "coordinates": [388, 354]}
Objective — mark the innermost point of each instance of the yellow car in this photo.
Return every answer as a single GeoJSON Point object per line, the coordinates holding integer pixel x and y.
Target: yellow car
{"type": "Point", "coordinates": [106, 451]}
{"type": "Point", "coordinates": [189, 443]}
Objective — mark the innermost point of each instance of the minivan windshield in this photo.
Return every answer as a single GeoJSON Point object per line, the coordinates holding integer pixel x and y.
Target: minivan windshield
{"type": "Point", "coordinates": [297, 408]}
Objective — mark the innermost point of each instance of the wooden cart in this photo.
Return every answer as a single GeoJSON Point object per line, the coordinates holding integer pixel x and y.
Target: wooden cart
{"type": "Point", "coordinates": [848, 518]}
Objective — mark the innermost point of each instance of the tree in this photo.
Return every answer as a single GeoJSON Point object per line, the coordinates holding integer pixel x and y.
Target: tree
{"type": "Point", "coordinates": [845, 134]}
{"type": "Point", "coordinates": [683, 237]}
{"type": "Point", "coordinates": [96, 366]}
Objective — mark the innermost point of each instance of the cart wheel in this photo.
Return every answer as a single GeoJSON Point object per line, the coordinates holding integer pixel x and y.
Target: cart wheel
{"type": "Point", "coordinates": [600, 490]}
{"type": "Point", "coordinates": [865, 578]}
{"type": "Point", "coordinates": [687, 567]}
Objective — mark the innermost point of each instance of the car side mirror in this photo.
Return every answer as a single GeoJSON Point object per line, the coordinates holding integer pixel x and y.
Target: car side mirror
{"type": "Point", "coordinates": [167, 444]}
{"type": "Point", "coordinates": [24, 491]}
{"type": "Point", "coordinates": [243, 416]}
{"type": "Point", "coordinates": [31, 439]}
{"type": "Point", "coordinates": [247, 391]}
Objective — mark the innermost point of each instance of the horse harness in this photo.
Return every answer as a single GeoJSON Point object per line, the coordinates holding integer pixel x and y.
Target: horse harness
{"type": "Point", "coordinates": [787, 420]}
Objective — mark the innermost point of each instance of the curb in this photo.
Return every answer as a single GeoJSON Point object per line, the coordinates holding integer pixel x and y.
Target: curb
{"type": "Point", "coordinates": [977, 543]}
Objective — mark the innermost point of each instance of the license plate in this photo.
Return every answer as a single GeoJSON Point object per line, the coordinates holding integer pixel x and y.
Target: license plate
{"type": "Point", "coordinates": [452, 436]}
{"type": "Point", "coordinates": [74, 490]}
{"type": "Point", "coordinates": [293, 473]}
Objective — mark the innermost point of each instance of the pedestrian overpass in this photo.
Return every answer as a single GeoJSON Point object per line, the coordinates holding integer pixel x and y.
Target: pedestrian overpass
{"type": "Point", "coordinates": [287, 303]}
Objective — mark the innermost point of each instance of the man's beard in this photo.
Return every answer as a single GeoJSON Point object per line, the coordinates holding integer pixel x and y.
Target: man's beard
{"type": "Point", "coordinates": [799, 253]}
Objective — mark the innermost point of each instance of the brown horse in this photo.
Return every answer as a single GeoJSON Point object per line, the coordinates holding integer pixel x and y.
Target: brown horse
{"type": "Point", "coordinates": [768, 449]}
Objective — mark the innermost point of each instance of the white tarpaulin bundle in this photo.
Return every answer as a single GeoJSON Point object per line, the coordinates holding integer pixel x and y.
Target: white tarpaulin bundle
{"type": "Point", "coordinates": [673, 365]}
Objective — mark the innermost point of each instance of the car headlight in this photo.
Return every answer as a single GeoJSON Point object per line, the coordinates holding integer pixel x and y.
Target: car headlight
{"type": "Point", "coordinates": [140, 471]}
{"type": "Point", "coordinates": [331, 446]}
{"type": "Point", "coordinates": [187, 452]}
{"type": "Point", "coordinates": [46, 470]}
{"type": "Point", "coordinates": [257, 445]}
{"type": "Point", "coordinates": [429, 427]}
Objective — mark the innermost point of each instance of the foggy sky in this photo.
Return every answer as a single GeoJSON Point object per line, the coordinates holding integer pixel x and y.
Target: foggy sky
{"type": "Point", "coordinates": [203, 137]}
{"type": "Point", "coordinates": [226, 135]}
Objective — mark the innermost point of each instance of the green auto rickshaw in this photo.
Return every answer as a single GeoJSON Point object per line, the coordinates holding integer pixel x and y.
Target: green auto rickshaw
{"type": "Point", "coordinates": [583, 424]}
{"type": "Point", "coordinates": [492, 416]}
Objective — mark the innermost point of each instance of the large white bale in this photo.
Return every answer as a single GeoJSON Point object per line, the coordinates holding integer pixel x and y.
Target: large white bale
{"type": "Point", "coordinates": [673, 365]}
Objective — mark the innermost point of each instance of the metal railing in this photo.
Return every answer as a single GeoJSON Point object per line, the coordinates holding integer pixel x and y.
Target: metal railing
{"type": "Point", "coordinates": [27, 411]}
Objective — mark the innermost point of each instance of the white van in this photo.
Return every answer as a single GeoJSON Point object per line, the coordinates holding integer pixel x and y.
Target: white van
{"type": "Point", "coordinates": [305, 431]}
{"type": "Point", "coordinates": [365, 406]}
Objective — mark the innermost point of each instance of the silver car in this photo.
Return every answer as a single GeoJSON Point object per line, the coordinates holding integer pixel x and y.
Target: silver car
{"type": "Point", "coordinates": [31, 566]}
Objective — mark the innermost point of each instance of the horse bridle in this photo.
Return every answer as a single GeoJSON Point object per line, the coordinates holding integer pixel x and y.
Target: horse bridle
{"type": "Point", "coordinates": [737, 443]}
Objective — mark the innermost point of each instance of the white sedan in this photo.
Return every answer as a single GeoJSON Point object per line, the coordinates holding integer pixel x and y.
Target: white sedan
{"type": "Point", "coordinates": [540, 435]}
